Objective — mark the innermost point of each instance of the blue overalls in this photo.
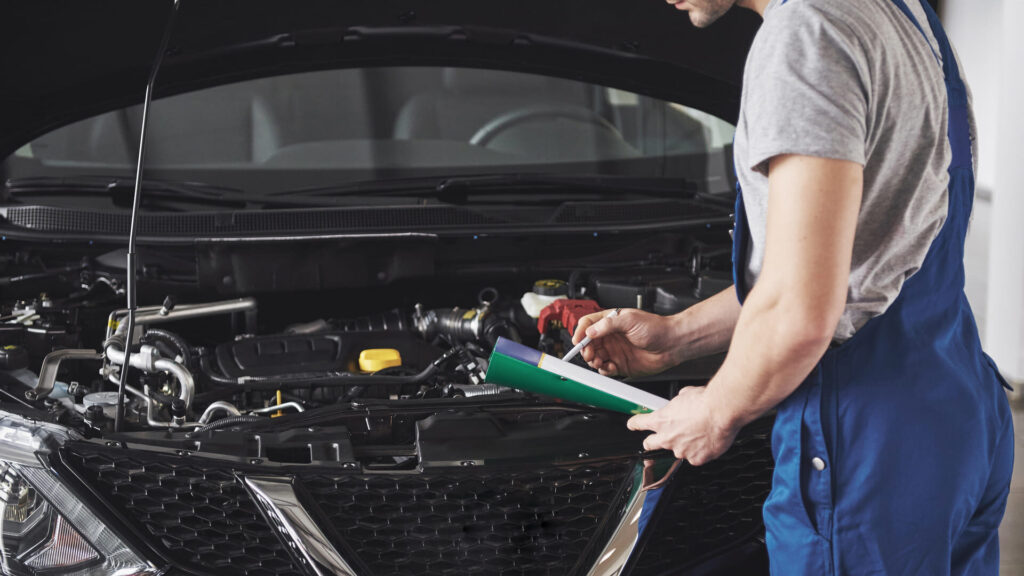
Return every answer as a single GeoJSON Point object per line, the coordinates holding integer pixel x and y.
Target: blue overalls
{"type": "Point", "coordinates": [895, 455]}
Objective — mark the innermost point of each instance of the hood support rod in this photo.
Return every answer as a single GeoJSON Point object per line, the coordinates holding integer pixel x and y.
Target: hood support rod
{"type": "Point", "coordinates": [132, 272]}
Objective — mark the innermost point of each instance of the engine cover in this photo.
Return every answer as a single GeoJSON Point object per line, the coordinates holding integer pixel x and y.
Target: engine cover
{"type": "Point", "coordinates": [280, 355]}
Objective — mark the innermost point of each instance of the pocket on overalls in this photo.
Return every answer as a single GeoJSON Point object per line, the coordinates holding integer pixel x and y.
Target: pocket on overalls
{"type": "Point", "coordinates": [793, 534]}
{"type": "Point", "coordinates": [816, 458]}
{"type": "Point", "coordinates": [792, 467]}
{"type": "Point", "coordinates": [999, 375]}
{"type": "Point", "coordinates": [810, 510]}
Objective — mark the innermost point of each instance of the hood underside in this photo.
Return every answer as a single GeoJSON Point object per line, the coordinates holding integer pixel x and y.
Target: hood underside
{"type": "Point", "coordinates": [63, 63]}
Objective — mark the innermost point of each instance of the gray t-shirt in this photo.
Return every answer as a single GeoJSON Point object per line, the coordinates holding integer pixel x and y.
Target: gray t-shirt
{"type": "Point", "coordinates": [851, 80]}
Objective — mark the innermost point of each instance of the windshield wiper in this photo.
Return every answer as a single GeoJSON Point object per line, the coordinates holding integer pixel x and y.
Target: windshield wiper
{"type": "Point", "coordinates": [660, 187]}
{"type": "Point", "coordinates": [120, 190]}
{"type": "Point", "coordinates": [456, 188]}
{"type": "Point", "coordinates": [675, 188]}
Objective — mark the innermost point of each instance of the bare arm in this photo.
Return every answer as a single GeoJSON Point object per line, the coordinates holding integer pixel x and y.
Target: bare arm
{"type": "Point", "coordinates": [787, 321]}
{"type": "Point", "coordinates": [792, 312]}
{"type": "Point", "coordinates": [637, 343]}
{"type": "Point", "coordinates": [706, 328]}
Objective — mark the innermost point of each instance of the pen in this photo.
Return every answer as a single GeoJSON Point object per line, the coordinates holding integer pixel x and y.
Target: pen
{"type": "Point", "coordinates": [579, 347]}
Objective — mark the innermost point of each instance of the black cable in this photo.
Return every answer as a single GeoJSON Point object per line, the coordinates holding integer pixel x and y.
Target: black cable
{"type": "Point", "coordinates": [132, 272]}
{"type": "Point", "coordinates": [8, 379]}
{"type": "Point", "coordinates": [224, 422]}
{"type": "Point", "coordinates": [8, 280]}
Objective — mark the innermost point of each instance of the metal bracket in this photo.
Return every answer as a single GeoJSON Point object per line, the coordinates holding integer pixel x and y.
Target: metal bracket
{"type": "Point", "coordinates": [48, 371]}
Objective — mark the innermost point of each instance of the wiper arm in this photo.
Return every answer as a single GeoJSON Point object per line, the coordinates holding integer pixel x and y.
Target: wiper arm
{"type": "Point", "coordinates": [458, 186]}
{"type": "Point", "coordinates": [673, 188]}
{"type": "Point", "coordinates": [120, 190]}
{"type": "Point", "coordinates": [676, 187]}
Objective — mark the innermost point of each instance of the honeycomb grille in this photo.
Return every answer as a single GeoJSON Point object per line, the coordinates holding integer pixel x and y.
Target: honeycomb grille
{"type": "Point", "coordinates": [514, 523]}
{"type": "Point", "coordinates": [201, 516]}
{"type": "Point", "coordinates": [709, 508]}
{"type": "Point", "coordinates": [475, 521]}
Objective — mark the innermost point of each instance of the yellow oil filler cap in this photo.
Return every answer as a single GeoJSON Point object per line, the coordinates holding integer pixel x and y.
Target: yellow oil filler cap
{"type": "Point", "coordinates": [375, 359]}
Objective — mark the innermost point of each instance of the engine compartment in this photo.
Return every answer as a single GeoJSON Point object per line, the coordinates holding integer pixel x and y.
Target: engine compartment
{"type": "Point", "coordinates": [341, 390]}
{"type": "Point", "coordinates": [385, 369]}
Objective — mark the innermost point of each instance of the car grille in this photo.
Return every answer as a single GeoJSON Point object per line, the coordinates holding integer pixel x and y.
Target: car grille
{"type": "Point", "coordinates": [195, 511]}
{"type": "Point", "coordinates": [200, 515]}
{"type": "Point", "coordinates": [707, 509]}
{"type": "Point", "coordinates": [512, 523]}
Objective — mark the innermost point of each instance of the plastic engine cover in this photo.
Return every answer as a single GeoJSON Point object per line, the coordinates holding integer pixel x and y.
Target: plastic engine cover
{"type": "Point", "coordinates": [316, 353]}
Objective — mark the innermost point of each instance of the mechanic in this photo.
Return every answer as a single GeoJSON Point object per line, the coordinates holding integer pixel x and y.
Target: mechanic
{"type": "Point", "coordinates": [893, 439]}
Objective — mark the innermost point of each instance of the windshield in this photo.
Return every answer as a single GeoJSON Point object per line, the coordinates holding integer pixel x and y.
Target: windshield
{"type": "Point", "coordinates": [336, 127]}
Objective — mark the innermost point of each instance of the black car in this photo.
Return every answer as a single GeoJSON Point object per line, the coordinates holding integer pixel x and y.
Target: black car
{"type": "Point", "coordinates": [343, 206]}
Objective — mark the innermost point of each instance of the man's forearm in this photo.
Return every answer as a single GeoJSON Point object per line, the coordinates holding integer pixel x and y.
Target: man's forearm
{"type": "Point", "coordinates": [790, 316]}
{"type": "Point", "coordinates": [787, 320]}
{"type": "Point", "coordinates": [706, 328]}
{"type": "Point", "coordinates": [777, 343]}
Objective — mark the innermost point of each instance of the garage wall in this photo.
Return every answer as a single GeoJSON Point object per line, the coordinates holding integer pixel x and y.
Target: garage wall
{"type": "Point", "coordinates": [980, 56]}
{"type": "Point", "coordinates": [992, 52]}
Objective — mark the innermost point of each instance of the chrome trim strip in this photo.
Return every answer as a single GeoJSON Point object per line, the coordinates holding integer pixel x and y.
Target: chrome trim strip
{"type": "Point", "coordinates": [620, 545]}
{"type": "Point", "coordinates": [278, 500]}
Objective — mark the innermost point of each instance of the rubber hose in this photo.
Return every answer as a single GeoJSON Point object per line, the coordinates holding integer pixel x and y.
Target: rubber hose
{"type": "Point", "coordinates": [207, 370]}
{"type": "Point", "coordinates": [224, 422]}
{"type": "Point", "coordinates": [177, 341]}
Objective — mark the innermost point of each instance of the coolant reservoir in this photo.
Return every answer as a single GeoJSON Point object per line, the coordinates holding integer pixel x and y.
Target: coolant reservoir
{"type": "Point", "coordinates": [376, 359]}
{"type": "Point", "coordinates": [544, 292]}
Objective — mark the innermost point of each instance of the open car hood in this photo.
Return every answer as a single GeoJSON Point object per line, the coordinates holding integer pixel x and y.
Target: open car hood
{"type": "Point", "coordinates": [62, 63]}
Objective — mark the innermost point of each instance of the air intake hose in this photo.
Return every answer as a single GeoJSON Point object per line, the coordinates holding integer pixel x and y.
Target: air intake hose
{"type": "Point", "coordinates": [461, 325]}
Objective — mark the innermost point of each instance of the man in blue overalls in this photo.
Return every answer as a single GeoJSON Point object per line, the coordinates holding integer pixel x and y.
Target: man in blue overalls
{"type": "Point", "coordinates": [893, 440]}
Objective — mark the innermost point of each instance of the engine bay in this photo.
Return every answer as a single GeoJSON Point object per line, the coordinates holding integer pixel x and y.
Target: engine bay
{"type": "Point", "coordinates": [284, 364]}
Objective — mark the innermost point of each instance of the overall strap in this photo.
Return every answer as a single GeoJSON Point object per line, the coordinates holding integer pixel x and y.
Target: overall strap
{"type": "Point", "coordinates": [740, 248]}
{"type": "Point", "coordinates": [959, 123]}
{"type": "Point", "coordinates": [958, 131]}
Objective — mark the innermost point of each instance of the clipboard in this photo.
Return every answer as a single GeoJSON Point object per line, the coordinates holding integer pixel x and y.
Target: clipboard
{"type": "Point", "coordinates": [517, 366]}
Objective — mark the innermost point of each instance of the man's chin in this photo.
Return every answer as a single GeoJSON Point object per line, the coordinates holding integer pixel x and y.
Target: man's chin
{"type": "Point", "coordinates": [703, 19]}
{"type": "Point", "coordinates": [698, 20]}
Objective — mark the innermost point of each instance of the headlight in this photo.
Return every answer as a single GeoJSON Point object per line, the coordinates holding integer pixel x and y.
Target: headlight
{"type": "Point", "coordinates": [44, 529]}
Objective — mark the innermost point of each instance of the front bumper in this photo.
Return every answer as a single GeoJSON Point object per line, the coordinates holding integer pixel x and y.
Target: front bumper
{"type": "Point", "coordinates": [197, 514]}
{"type": "Point", "coordinates": [204, 516]}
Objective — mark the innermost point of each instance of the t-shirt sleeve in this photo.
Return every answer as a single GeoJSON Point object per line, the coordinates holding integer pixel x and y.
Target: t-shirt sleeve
{"type": "Point", "coordinates": [807, 89]}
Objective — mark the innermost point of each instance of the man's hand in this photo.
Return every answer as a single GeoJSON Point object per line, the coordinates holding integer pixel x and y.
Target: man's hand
{"type": "Point", "coordinates": [634, 343]}
{"type": "Point", "coordinates": [638, 343]}
{"type": "Point", "coordinates": [686, 426]}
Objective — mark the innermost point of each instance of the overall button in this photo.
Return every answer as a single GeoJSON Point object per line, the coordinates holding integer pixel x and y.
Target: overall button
{"type": "Point", "coordinates": [818, 463]}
